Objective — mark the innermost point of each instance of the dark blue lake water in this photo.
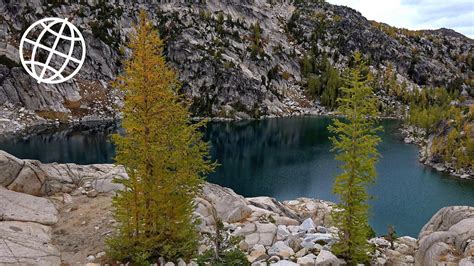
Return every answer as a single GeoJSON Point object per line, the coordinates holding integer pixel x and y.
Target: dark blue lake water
{"type": "Point", "coordinates": [284, 158]}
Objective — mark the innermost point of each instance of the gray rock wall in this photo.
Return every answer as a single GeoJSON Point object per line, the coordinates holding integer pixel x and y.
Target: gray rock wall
{"type": "Point", "coordinates": [213, 54]}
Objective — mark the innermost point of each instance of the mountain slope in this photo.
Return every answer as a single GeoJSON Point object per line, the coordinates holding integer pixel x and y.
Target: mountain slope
{"type": "Point", "coordinates": [235, 58]}
{"type": "Point", "coordinates": [435, 58]}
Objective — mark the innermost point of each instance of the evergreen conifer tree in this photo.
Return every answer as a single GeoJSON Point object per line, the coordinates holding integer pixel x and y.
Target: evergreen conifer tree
{"type": "Point", "coordinates": [163, 154]}
{"type": "Point", "coordinates": [355, 141]}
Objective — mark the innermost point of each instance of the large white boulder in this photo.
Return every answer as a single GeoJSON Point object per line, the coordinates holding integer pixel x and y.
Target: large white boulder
{"type": "Point", "coordinates": [258, 252]}
{"type": "Point", "coordinates": [22, 207]}
{"type": "Point", "coordinates": [30, 179]}
{"type": "Point", "coordinates": [327, 258]}
{"type": "Point", "coordinates": [257, 233]}
{"type": "Point", "coordinates": [311, 239]}
{"type": "Point", "coordinates": [10, 166]}
{"type": "Point", "coordinates": [273, 205]}
{"type": "Point", "coordinates": [306, 261]}
{"type": "Point", "coordinates": [26, 243]}
{"type": "Point", "coordinates": [318, 210]}
{"type": "Point", "coordinates": [308, 226]}
{"type": "Point", "coordinates": [446, 237]}
{"type": "Point", "coordinates": [281, 249]}
{"type": "Point", "coordinates": [35, 178]}
{"type": "Point", "coordinates": [229, 206]}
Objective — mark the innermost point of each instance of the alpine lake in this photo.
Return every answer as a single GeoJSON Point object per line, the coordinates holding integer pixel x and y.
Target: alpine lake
{"type": "Point", "coordinates": [285, 158]}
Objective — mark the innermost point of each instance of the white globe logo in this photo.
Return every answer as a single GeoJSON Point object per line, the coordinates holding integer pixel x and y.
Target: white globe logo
{"type": "Point", "coordinates": [49, 51]}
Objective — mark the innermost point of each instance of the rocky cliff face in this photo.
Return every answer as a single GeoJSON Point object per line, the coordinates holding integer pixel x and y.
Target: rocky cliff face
{"type": "Point", "coordinates": [225, 69]}
{"type": "Point", "coordinates": [430, 57]}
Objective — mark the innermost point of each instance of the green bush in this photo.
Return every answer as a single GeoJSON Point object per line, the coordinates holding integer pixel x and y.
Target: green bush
{"type": "Point", "coordinates": [225, 249]}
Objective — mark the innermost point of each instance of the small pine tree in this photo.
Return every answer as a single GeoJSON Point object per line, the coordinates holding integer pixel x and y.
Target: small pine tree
{"type": "Point", "coordinates": [391, 236]}
{"type": "Point", "coordinates": [331, 90]}
{"type": "Point", "coordinates": [256, 34]}
{"type": "Point", "coordinates": [224, 249]}
{"type": "Point", "coordinates": [355, 141]}
{"type": "Point", "coordinates": [220, 24]}
{"type": "Point", "coordinates": [307, 66]}
{"type": "Point", "coordinates": [314, 85]}
{"type": "Point", "coordinates": [163, 154]}
{"type": "Point", "coordinates": [256, 46]}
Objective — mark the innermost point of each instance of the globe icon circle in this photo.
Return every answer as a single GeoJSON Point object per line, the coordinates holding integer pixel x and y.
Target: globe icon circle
{"type": "Point", "coordinates": [56, 51]}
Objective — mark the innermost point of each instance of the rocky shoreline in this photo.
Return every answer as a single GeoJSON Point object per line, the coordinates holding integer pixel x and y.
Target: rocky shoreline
{"type": "Point", "coordinates": [16, 121]}
{"type": "Point", "coordinates": [61, 213]}
{"type": "Point", "coordinates": [417, 136]}
{"type": "Point", "coordinates": [20, 121]}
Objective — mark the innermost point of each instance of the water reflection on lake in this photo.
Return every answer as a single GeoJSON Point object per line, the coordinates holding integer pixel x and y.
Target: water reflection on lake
{"type": "Point", "coordinates": [283, 158]}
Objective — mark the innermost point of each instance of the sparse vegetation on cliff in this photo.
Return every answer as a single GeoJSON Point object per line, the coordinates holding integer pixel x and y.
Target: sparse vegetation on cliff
{"type": "Point", "coordinates": [449, 121]}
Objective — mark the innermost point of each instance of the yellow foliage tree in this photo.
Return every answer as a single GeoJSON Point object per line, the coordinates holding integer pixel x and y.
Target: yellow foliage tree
{"type": "Point", "coordinates": [164, 156]}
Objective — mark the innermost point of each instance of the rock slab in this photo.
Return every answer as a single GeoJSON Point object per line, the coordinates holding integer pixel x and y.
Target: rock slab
{"type": "Point", "coordinates": [26, 243]}
{"type": "Point", "coordinates": [26, 208]}
{"type": "Point", "coordinates": [447, 238]}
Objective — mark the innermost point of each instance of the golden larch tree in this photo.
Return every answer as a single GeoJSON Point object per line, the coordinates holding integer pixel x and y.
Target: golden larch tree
{"type": "Point", "coordinates": [356, 143]}
{"type": "Point", "coordinates": [163, 154]}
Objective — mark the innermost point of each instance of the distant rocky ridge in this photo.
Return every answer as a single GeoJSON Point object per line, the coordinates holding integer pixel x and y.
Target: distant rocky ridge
{"type": "Point", "coordinates": [49, 212]}
{"type": "Point", "coordinates": [427, 57]}
{"type": "Point", "coordinates": [210, 44]}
